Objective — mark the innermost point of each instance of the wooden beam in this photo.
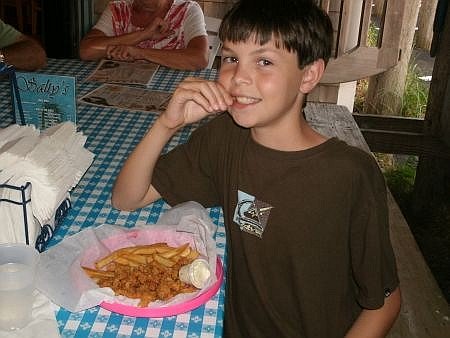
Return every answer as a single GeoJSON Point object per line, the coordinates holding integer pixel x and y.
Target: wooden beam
{"type": "Point", "coordinates": [360, 63]}
{"type": "Point", "coordinates": [399, 135]}
{"type": "Point", "coordinates": [392, 123]}
{"type": "Point", "coordinates": [424, 312]}
{"type": "Point", "coordinates": [394, 142]}
{"type": "Point", "coordinates": [365, 23]}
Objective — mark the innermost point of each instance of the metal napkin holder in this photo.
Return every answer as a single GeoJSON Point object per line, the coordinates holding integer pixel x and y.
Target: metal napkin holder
{"type": "Point", "coordinates": [47, 231]}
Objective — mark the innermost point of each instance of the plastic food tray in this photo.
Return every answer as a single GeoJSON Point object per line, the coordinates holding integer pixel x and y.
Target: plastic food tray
{"type": "Point", "coordinates": [169, 310]}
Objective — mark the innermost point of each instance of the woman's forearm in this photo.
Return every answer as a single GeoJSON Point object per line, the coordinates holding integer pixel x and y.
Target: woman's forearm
{"type": "Point", "coordinates": [193, 57]}
{"type": "Point", "coordinates": [93, 46]}
{"type": "Point", "coordinates": [185, 59]}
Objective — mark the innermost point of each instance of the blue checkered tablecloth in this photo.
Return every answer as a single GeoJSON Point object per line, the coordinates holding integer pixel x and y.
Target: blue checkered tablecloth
{"type": "Point", "coordinates": [112, 134]}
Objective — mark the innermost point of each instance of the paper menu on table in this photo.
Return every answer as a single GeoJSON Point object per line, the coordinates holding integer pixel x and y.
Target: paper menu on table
{"type": "Point", "coordinates": [112, 71]}
{"type": "Point", "coordinates": [127, 97]}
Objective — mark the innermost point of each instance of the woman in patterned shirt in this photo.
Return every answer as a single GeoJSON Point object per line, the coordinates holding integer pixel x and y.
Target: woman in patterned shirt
{"type": "Point", "coordinates": [168, 32]}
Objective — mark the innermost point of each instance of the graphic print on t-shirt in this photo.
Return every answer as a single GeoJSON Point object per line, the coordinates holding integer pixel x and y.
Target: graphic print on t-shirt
{"type": "Point", "coordinates": [251, 214]}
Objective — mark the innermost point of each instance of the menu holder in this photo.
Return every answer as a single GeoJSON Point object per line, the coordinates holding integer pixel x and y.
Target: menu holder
{"type": "Point", "coordinates": [47, 230]}
{"type": "Point", "coordinates": [44, 100]}
{"type": "Point", "coordinates": [16, 102]}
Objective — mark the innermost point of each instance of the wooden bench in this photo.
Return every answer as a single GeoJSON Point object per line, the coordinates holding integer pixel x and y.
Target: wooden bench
{"type": "Point", "coordinates": [425, 313]}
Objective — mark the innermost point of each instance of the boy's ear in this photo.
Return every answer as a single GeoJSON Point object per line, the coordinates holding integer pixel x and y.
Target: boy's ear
{"type": "Point", "coordinates": [312, 75]}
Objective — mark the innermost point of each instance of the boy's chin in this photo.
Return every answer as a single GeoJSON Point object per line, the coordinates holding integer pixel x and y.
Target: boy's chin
{"type": "Point", "coordinates": [239, 121]}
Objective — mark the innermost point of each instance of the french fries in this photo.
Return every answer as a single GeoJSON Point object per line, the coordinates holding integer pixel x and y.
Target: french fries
{"type": "Point", "coordinates": [147, 272]}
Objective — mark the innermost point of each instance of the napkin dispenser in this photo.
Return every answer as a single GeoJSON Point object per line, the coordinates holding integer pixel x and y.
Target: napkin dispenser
{"type": "Point", "coordinates": [20, 204]}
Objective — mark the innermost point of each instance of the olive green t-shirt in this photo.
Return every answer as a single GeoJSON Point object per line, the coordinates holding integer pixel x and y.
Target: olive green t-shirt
{"type": "Point", "coordinates": [307, 231]}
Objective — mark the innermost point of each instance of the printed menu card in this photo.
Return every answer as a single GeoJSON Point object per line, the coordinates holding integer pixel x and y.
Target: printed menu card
{"type": "Point", "coordinates": [46, 100]}
{"type": "Point", "coordinates": [128, 97]}
{"type": "Point", "coordinates": [112, 71]}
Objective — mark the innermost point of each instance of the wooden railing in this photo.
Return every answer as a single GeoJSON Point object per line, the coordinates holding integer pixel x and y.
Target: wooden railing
{"type": "Point", "coordinates": [215, 8]}
{"type": "Point", "coordinates": [353, 58]}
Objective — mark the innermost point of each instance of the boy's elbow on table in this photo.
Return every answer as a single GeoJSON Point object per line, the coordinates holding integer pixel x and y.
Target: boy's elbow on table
{"type": "Point", "coordinates": [120, 203]}
{"type": "Point", "coordinates": [115, 203]}
{"type": "Point", "coordinates": [125, 203]}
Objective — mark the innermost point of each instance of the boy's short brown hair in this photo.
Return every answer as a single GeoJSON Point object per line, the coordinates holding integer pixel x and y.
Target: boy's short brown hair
{"type": "Point", "coordinates": [297, 25]}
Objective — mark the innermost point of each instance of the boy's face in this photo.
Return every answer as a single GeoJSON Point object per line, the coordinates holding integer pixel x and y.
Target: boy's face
{"type": "Point", "coordinates": [264, 81]}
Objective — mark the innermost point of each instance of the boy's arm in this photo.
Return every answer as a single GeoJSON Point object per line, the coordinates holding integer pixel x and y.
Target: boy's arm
{"type": "Point", "coordinates": [377, 323]}
{"type": "Point", "coordinates": [191, 101]}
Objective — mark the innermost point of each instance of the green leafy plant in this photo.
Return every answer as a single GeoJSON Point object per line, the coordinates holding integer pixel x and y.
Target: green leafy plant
{"type": "Point", "coordinates": [415, 96]}
{"type": "Point", "coordinates": [400, 179]}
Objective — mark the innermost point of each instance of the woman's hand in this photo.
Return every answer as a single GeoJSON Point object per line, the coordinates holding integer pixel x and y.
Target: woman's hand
{"type": "Point", "coordinates": [122, 53]}
{"type": "Point", "coordinates": [194, 99]}
{"type": "Point", "coordinates": [157, 29]}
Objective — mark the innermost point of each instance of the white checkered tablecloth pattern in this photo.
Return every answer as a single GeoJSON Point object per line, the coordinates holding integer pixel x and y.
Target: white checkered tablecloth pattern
{"type": "Point", "coordinates": [166, 79]}
{"type": "Point", "coordinates": [112, 134]}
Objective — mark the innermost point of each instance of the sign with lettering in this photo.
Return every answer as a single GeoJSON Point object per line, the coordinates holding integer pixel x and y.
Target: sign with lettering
{"type": "Point", "coordinates": [46, 99]}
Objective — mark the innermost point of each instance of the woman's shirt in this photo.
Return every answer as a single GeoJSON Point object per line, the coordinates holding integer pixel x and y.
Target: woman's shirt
{"type": "Point", "coordinates": [185, 19]}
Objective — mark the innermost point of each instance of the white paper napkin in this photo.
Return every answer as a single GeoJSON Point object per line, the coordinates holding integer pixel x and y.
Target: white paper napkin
{"type": "Point", "coordinates": [16, 131]}
{"type": "Point", "coordinates": [43, 323]}
{"type": "Point", "coordinates": [53, 162]}
{"type": "Point", "coordinates": [16, 150]}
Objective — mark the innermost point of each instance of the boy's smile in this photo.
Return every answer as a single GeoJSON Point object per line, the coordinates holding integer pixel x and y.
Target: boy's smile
{"type": "Point", "coordinates": [266, 85]}
{"type": "Point", "coordinates": [244, 100]}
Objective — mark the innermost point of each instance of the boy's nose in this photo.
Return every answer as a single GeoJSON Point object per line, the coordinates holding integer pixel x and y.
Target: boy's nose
{"type": "Point", "coordinates": [241, 75]}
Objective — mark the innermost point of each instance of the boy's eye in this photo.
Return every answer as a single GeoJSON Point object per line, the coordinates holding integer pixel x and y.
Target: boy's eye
{"type": "Point", "coordinates": [229, 59]}
{"type": "Point", "coordinates": [264, 62]}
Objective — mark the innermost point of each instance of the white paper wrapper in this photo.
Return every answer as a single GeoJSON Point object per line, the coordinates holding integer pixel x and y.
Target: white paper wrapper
{"type": "Point", "coordinates": [61, 278]}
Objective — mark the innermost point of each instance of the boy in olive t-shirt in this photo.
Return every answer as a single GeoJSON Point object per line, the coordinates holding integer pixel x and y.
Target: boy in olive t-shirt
{"type": "Point", "coordinates": [308, 243]}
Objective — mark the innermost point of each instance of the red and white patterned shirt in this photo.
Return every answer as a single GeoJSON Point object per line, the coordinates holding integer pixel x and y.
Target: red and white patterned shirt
{"type": "Point", "coordinates": [185, 19]}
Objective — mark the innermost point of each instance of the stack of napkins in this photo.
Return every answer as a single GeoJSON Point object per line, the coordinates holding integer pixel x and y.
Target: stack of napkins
{"type": "Point", "coordinates": [53, 161]}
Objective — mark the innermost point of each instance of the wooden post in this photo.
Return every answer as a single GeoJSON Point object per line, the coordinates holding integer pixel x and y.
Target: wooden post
{"type": "Point", "coordinates": [432, 184]}
{"type": "Point", "coordinates": [424, 33]}
{"type": "Point", "coordinates": [216, 8]}
{"type": "Point", "coordinates": [385, 92]}
{"type": "Point", "coordinates": [378, 7]}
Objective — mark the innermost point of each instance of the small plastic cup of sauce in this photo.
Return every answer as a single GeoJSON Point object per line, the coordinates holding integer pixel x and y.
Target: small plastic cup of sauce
{"type": "Point", "coordinates": [196, 273]}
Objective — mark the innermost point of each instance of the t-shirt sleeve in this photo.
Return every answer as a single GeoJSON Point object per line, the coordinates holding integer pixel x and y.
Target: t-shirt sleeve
{"type": "Point", "coordinates": [104, 23]}
{"type": "Point", "coordinates": [184, 173]}
{"type": "Point", "coordinates": [373, 262]}
{"type": "Point", "coordinates": [8, 34]}
{"type": "Point", "coordinates": [194, 24]}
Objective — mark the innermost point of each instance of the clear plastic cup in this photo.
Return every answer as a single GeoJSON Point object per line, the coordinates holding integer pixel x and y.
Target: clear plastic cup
{"type": "Point", "coordinates": [196, 273]}
{"type": "Point", "coordinates": [18, 264]}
